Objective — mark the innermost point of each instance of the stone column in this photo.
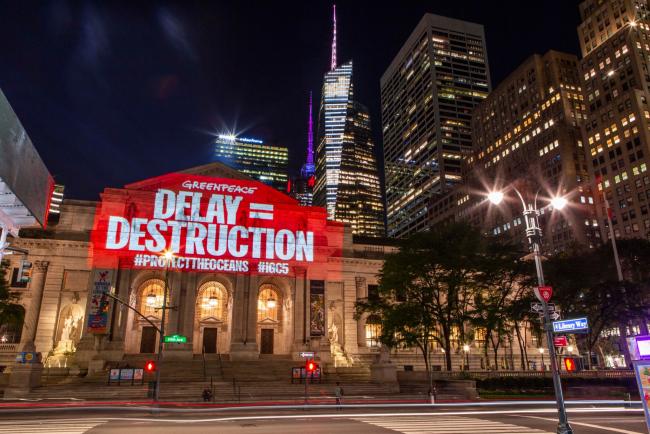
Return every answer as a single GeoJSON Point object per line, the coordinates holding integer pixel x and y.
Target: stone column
{"type": "Point", "coordinates": [120, 315]}
{"type": "Point", "coordinates": [300, 320]}
{"type": "Point", "coordinates": [177, 282]}
{"type": "Point", "coordinates": [243, 345]}
{"type": "Point", "coordinates": [27, 376]}
{"type": "Point", "coordinates": [36, 288]}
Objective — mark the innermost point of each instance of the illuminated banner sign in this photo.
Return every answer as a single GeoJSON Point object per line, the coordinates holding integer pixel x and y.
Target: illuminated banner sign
{"type": "Point", "coordinates": [100, 304]}
{"type": "Point", "coordinates": [210, 224]}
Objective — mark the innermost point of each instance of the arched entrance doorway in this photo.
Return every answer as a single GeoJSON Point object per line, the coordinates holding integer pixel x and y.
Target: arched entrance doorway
{"type": "Point", "coordinates": [269, 318]}
{"type": "Point", "coordinates": [149, 303]}
{"type": "Point", "coordinates": [212, 312]}
{"type": "Point", "coordinates": [12, 326]}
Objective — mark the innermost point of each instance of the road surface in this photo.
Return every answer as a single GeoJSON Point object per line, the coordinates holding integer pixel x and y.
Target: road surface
{"type": "Point", "coordinates": [346, 421]}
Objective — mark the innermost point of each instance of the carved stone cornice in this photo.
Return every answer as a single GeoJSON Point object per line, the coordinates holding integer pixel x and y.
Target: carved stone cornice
{"type": "Point", "coordinates": [41, 266]}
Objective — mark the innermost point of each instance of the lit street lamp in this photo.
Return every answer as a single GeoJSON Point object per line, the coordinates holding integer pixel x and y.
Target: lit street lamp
{"type": "Point", "coordinates": [534, 235]}
{"type": "Point", "coordinates": [541, 351]}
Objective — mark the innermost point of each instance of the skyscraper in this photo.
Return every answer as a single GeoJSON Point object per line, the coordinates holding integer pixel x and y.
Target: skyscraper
{"type": "Point", "coordinates": [347, 178]}
{"type": "Point", "coordinates": [527, 133]}
{"type": "Point", "coordinates": [614, 39]}
{"type": "Point", "coordinates": [427, 94]}
{"type": "Point", "coordinates": [259, 160]}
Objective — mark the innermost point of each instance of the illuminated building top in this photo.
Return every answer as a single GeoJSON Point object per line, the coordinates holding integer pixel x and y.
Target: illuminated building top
{"type": "Point", "coordinates": [253, 157]}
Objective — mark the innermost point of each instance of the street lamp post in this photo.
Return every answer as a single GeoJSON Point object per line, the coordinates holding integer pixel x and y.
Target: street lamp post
{"type": "Point", "coordinates": [534, 235]}
{"type": "Point", "coordinates": [168, 257]}
{"type": "Point", "coordinates": [541, 352]}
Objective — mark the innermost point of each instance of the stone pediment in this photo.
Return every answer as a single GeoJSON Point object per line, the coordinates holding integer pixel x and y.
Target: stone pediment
{"type": "Point", "coordinates": [211, 320]}
{"type": "Point", "coordinates": [214, 169]}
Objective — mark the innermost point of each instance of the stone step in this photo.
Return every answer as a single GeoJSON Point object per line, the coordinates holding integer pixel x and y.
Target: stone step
{"type": "Point", "coordinates": [223, 391]}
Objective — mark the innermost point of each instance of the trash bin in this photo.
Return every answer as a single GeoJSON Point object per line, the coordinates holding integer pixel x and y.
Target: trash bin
{"type": "Point", "coordinates": [151, 390]}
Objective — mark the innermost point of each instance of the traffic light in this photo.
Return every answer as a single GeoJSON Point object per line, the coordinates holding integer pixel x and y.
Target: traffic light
{"type": "Point", "coordinates": [311, 366]}
{"type": "Point", "coordinates": [570, 364]}
{"type": "Point", "coordinates": [150, 366]}
{"type": "Point", "coordinates": [25, 272]}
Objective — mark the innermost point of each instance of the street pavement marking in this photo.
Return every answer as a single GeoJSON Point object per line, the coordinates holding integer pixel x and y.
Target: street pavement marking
{"type": "Point", "coordinates": [590, 425]}
{"type": "Point", "coordinates": [441, 424]}
{"type": "Point", "coordinates": [51, 426]}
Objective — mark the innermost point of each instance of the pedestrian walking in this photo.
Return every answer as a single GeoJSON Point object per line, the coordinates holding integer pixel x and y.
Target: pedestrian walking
{"type": "Point", "coordinates": [338, 393]}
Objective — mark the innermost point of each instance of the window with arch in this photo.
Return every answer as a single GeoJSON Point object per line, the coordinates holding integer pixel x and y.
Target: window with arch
{"type": "Point", "coordinates": [212, 301]}
{"type": "Point", "coordinates": [267, 304]}
{"type": "Point", "coordinates": [151, 297]}
{"type": "Point", "coordinates": [373, 331]}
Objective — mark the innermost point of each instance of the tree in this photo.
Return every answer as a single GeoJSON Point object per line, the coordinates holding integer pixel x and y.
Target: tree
{"type": "Point", "coordinates": [586, 284]}
{"type": "Point", "coordinates": [503, 284]}
{"type": "Point", "coordinates": [425, 287]}
{"type": "Point", "coordinates": [11, 313]}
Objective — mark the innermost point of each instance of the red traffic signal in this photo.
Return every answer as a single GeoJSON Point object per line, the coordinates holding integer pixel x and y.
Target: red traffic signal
{"type": "Point", "coordinates": [570, 364]}
{"type": "Point", "coordinates": [150, 366]}
{"type": "Point", "coordinates": [311, 366]}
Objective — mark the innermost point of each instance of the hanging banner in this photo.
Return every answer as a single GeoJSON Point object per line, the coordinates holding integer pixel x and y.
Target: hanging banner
{"type": "Point", "coordinates": [210, 224]}
{"type": "Point", "coordinates": [100, 303]}
{"type": "Point", "coordinates": [317, 307]}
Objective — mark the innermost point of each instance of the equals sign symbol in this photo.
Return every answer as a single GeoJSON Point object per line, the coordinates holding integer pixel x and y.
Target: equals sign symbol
{"type": "Point", "coordinates": [261, 211]}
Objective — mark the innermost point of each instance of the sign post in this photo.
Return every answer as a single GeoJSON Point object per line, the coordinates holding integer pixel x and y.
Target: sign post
{"type": "Point", "coordinates": [175, 339]}
{"type": "Point", "coordinates": [560, 341]}
{"type": "Point", "coordinates": [578, 325]}
{"type": "Point", "coordinates": [544, 293]}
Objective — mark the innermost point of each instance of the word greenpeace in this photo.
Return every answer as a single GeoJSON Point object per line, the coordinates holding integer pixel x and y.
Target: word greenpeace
{"type": "Point", "coordinates": [185, 222]}
{"type": "Point", "coordinates": [213, 186]}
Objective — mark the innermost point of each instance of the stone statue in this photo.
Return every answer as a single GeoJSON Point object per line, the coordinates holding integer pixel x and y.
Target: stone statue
{"type": "Point", "coordinates": [71, 323]}
{"type": "Point", "coordinates": [334, 333]}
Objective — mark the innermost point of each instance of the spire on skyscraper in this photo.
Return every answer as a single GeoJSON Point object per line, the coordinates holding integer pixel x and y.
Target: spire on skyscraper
{"type": "Point", "coordinates": [309, 168]}
{"type": "Point", "coordinates": [333, 62]}
{"type": "Point", "coordinates": [310, 135]}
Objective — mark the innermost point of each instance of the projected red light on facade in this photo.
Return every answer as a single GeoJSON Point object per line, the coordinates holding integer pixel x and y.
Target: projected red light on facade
{"type": "Point", "coordinates": [210, 225]}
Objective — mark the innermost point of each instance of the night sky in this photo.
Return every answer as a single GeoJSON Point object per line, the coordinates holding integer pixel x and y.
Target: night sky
{"type": "Point", "coordinates": [112, 92]}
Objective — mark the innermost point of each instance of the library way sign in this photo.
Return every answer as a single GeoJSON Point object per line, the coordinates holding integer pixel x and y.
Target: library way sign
{"type": "Point", "coordinates": [578, 325]}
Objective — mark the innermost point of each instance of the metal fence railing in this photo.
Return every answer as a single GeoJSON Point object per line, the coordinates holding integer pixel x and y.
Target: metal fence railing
{"type": "Point", "coordinates": [607, 373]}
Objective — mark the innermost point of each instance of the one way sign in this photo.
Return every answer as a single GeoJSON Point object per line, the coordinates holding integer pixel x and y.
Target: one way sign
{"type": "Point", "coordinates": [539, 307]}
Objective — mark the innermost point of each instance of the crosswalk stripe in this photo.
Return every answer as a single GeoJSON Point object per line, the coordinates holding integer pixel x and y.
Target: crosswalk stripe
{"type": "Point", "coordinates": [50, 427]}
{"type": "Point", "coordinates": [447, 425]}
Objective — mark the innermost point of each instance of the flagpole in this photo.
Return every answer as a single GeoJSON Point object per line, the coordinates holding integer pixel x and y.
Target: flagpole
{"type": "Point", "coordinates": [613, 240]}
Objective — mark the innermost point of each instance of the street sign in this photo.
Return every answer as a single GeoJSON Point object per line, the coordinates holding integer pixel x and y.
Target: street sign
{"type": "Point", "coordinates": [538, 307]}
{"type": "Point", "coordinates": [306, 354]}
{"type": "Point", "coordinates": [544, 293]}
{"type": "Point", "coordinates": [560, 341]}
{"type": "Point", "coordinates": [578, 325]}
{"type": "Point", "coordinates": [175, 339]}
{"type": "Point", "coordinates": [554, 316]}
